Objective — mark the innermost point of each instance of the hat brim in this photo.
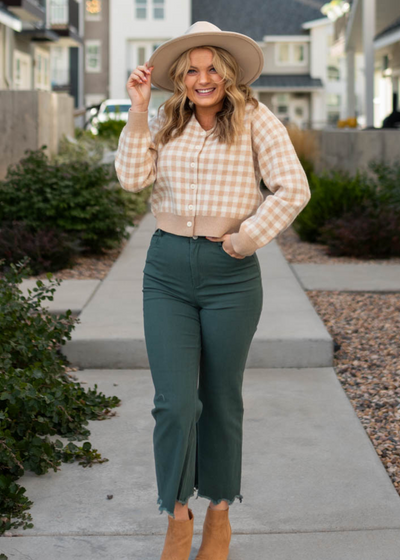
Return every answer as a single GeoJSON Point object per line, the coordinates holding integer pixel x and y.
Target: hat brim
{"type": "Point", "coordinates": [245, 50]}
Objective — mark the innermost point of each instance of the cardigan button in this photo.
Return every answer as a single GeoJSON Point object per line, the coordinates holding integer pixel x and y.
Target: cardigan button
{"type": "Point", "coordinates": [189, 224]}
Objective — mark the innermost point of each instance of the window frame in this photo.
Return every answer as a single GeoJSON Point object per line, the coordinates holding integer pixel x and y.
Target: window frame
{"type": "Point", "coordinates": [88, 43]}
{"type": "Point", "coordinates": [291, 61]}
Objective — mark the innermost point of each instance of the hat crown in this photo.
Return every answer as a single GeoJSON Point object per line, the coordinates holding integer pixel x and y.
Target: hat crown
{"type": "Point", "coordinates": [202, 27]}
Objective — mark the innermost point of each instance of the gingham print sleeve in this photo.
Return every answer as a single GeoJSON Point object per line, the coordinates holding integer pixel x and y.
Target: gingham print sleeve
{"type": "Point", "coordinates": [283, 175]}
{"type": "Point", "coordinates": [136, 157]}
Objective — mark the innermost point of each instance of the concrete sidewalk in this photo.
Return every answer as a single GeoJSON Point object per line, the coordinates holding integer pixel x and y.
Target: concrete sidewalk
{"type": "Point", "coordinates": [349, 277]}
{"type": "Point", "coordinates": [111, 332]}
{"type": "Point", "coordinates": [313, 486]}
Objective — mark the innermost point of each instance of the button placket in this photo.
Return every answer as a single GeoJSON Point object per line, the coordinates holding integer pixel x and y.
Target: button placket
{"type": "Point", "coordinates": [193, 186]}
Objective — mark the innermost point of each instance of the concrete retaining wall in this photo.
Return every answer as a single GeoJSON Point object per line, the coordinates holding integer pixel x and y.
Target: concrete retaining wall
{"type": "Point", "coordinates": [29, 119]}
{"type": "Point", "coordinates": [350, 150]}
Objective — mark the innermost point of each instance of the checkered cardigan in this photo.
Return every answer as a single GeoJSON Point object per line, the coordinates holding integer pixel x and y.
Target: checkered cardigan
{"type": "Point", "coordinates": [203, 187]}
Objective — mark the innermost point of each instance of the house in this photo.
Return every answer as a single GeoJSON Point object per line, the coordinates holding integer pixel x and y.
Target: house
{"type": "Point", "coordinates": [137, 28]}
{"type": "Point", "coordinates": [24, 62]}
{"type": "Point", "coordinates": [369, 29]}
{"type": "Point", "coordinates": [97, 51]}
{"type": "Point", "coordinates": [296, 82]}
{"type": "Point", "coordinates": [43, 46]}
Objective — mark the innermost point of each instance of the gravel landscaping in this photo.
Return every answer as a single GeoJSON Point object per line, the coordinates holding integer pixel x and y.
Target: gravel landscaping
{"type": "Point", "coordinates": [366, 330]}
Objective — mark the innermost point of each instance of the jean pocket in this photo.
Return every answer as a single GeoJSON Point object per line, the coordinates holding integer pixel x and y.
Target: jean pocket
{"type": "Point", "coordinates": [220, 243]}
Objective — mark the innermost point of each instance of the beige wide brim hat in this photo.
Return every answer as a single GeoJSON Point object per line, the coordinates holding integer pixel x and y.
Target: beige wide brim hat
{"type": "Point", "coordinates": [245, 50]}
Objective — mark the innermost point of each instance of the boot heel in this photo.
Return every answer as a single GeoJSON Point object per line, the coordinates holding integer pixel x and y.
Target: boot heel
{"type": "Point", "coordinates": [217, 533]}
{"type": "Point", "coordinates": [178, 540]}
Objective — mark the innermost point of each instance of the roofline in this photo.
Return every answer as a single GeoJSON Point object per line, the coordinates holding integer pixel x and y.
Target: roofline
{"type": "Point", "coordinates": [389, 39]}
{"type": "Point", "coordinates": [315, 23]}
{"type": "Point", "coordinates": [10, 21]}
{"type": "Point", "coordinates": [285, 38]}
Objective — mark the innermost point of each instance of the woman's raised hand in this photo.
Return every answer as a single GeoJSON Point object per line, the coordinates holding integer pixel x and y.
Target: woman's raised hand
{"type": "Point", "coordinates": [138, 87]}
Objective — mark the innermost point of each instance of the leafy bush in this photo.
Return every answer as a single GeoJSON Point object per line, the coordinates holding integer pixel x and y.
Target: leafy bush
{"type": "Point", "coordinates": [48, 249]}
{"type": "Point", "coordinates": [73, 197]}
{"type": "Point", "coordinates": [333, 193]}
{"type": "Point", "coordinates": [365, 232]}
{"type": "Point", "coordinates": [111, 128]}
{"type": "Point", "coordinates": [86, 148]}
{"type": "Point", "coordinates": [354, 215]}
{"type": "Point", "coordinates": [38, 398]}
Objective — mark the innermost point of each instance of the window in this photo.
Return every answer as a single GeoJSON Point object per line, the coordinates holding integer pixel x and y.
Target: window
{"type": "Point", "coordinates": [42, 68]}
{"type": "Point", "coordinates": [290, 54]}
{"type": "Point", "coordinates": [158, 9]}
{"type": "Point", "coordinates": [333, 73]}
{"type": "Point", "coordinates": [298, 53]}
{"type": "Point", "coordinates": [141, 9]}
{"type": "Point", "coordinates": [282, 103]}
{"type": "Point", "coordinates": [58, 12]}
{"type": "Point", "coordinates": [283, 52]}
{"type": "Point", "coordinates": [333, 100]}
{"type": "Point", "coordinates": [92, 56]}
{"type": "Point", "coordinates": [93, 10]}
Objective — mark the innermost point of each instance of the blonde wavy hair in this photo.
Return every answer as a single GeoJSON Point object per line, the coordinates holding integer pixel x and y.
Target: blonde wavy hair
{"type": "Point", "coordinates": [178, 109]}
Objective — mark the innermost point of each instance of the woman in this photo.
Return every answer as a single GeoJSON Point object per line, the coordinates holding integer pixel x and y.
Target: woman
{"type": "Point", "coordinates": [205, 153]}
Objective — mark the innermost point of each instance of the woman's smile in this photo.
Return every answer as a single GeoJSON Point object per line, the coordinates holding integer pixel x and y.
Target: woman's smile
{"type": "Point", "coordinates": [204, 92]}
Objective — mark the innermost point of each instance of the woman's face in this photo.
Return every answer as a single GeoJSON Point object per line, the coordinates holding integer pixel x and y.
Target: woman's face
{"type": "Point", "coordinates": [203, 76]}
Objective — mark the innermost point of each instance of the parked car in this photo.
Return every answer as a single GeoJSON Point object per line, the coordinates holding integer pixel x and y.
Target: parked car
{"type": "Point", "coordinates": [111, 109]}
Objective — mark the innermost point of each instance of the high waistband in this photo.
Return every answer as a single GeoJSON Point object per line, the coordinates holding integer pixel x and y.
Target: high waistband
{"type": "Point", "coordinates": [160, 232]}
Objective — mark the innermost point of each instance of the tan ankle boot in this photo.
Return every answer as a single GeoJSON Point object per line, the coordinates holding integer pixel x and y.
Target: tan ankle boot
{"type": "Point", "coordinates": [178, 540]}
{"type": "Point", "coordinates": [216, 535]}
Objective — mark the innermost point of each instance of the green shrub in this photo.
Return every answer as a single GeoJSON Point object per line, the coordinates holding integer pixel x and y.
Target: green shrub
{"type": "Point", "coordinates": [86, 148]}
{"type": "Point", "coordinates": [369, 232]}
{"type": "Point", "coordinates": [111, 128]}
{"type": "Point", "coordinates": [38, 398]}
{"type": "Point", "coordinates": [308, 166]}
{"type": "Point", "coordinates": [387, 179]}
{"type": "Point", "coordinates": [354, 215]}
{"type": "Point", "coordinates": [73, 197]}
{"type": "Point", "coordinates": [48, 249]}
{"type": "Point", "coordinates": [333, 193]}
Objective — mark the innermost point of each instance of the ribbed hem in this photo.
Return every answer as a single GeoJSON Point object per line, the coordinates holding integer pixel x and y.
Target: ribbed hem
{"type": "Point", "coordinates": [243, 243]}
{"type": "Point", "coordinates": [210, 226]}
{"type": "Point", "coordinates": [138, 121]}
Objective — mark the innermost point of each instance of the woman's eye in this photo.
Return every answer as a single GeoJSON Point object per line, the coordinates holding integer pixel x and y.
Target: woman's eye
{"type": "Point", "coordinates": [193, 70]}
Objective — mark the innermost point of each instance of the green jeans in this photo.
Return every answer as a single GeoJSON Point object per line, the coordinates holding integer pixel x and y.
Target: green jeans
{"type": "Point", "coordinates": [201, 308]}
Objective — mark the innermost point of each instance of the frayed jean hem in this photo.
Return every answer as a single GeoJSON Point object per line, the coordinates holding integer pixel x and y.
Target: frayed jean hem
{"type": "Point", "coordinates": [184, 502]}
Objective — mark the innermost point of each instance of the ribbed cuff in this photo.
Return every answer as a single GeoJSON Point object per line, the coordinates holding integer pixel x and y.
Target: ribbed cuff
{"type": "Point", "coordinates": [243, 244]}
{"type": "Point", "coordinates": [138, 121]}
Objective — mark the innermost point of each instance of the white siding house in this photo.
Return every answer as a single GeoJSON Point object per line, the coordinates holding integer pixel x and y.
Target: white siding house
{"type": "Point", "coordinates": [137, 27]}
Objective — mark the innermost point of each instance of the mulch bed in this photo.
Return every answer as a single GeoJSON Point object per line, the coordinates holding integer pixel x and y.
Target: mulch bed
{"type": "Point", "coordinates": [91, 267]}
{"type": "Point", "coordinates": [366, 330]}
